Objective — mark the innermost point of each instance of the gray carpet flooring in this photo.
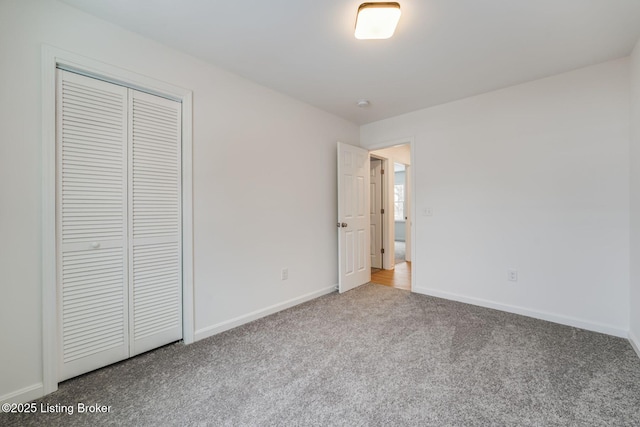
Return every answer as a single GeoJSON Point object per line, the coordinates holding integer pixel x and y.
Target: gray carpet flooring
{"type": "Point", "coordinates": [375, 356]}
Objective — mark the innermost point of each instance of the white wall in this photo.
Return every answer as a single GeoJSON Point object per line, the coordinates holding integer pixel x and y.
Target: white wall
{"type": "Point", "coordinates": [533, 177]}
{"type": "Point", "coordinates": [634, 324]}
{"type": "Point", "coordinates": [250, 217]}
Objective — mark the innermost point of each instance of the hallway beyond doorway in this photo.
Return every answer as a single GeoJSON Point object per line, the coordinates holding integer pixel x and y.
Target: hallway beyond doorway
{"type": "Point", "coordinates": [399, 277]}
{"type": "Point", "coordinates": [400, 251]}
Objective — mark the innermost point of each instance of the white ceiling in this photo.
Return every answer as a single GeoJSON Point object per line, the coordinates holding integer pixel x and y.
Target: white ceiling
{"type": "Point", "coordinates": [443, 50]}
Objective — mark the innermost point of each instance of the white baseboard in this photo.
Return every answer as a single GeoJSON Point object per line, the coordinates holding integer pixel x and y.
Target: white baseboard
{"type": "Point", "coordinates": [635, 342]}
{"type": "Point", "coordinates": [24, 395]}
{"type": "Point", "coordinates": [550, 317]}
{"type": "Point", "coordinates": [250, 317]}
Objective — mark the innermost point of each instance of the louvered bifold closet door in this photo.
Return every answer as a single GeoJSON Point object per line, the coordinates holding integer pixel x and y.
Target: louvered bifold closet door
{"type": "Point", "coordinates": [155, 225]}
{"type": "Point", "coordinates": [91, 223]}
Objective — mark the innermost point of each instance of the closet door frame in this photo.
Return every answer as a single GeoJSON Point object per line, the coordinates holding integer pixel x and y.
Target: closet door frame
{"type": "Point", "coordinates": [53, 58]}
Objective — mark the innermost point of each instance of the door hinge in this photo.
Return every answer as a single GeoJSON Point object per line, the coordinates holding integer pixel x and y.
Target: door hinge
{"type": "Point", "coordinates": [381, 171]}
{"type": "Point", "coordinates": [382, 211]}
{"type": "Point", "coordinates": [382, 250]}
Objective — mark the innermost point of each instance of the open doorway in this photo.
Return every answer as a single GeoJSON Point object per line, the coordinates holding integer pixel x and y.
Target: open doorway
{"type": "Point", "coordinates": [400, 214]}
{"type": "Point", "coordinates": [376, 213]}
{"type": "Point", "coordinates": [393, 217]}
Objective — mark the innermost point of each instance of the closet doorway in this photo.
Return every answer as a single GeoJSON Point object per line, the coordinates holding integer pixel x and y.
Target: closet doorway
{"type": "Point", "coordinates": [118, 222]}
{"type": "Point", "coordinates": [117, 227]}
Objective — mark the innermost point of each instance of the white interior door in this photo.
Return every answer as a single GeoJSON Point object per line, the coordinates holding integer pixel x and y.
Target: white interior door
{"type": "Point", "coordinates": [155, 239]}
{"type": "Point", "coordinates": [91, 224]}
{"type": "Point", "coordinates": [375, 213]}
{"type": "Point", "coordinates": [353, 217]}
{"type": "Point", "coordinates": [119, 222]}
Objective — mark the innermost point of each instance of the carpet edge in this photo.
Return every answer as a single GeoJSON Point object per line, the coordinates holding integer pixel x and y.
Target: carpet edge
{"type": "Point", "coordinates": [255, 315]}
{"type": "Point", "coordinates": [25, 394]}
{"type": "Point", "coordinates": [541, 315]}
{"type": "Point", "coordinates": [635, 343]}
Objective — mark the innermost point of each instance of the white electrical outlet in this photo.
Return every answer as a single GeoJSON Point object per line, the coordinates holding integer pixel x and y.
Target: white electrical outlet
{"type": "Point", "coordinates": [427, 212]}
{"type": "Point", "coordinates": [284, 274]}
{"type": "Point", "coordinates": [512, 275]}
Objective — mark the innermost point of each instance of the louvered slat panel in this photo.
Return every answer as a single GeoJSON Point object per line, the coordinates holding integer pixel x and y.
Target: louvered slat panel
{"type": "Point", "coordinates": [155, 221]}
{"type": "Point", "coordinates": [157, 289]}
{"type": "Point", "coordinates": [85, 297]}
{"type": "Point", "coordinates": [88, 112]}
{"type": "Point", "coordinates": [156, 148]}
{"type": "Point", "coordinates": [92, 186]}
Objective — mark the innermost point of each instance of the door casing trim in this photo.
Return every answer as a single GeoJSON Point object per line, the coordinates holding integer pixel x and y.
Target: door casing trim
{"type": "Point", "coordinates": [52, 58]}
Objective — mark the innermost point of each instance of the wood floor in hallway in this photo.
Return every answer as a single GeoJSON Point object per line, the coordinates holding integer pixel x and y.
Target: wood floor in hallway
{"type": "Point", "coordinates": [399, 277]}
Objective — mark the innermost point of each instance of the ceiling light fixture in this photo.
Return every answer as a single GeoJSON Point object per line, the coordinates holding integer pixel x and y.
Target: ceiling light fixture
{"type": "Point", "coordinates": [377, 20]}
{"type": "Point", "coordinates": [363, 103]}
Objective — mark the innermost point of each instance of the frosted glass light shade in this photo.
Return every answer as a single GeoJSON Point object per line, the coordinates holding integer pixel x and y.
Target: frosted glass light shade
{"type": "Point", "coordinates": [377, 20]}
